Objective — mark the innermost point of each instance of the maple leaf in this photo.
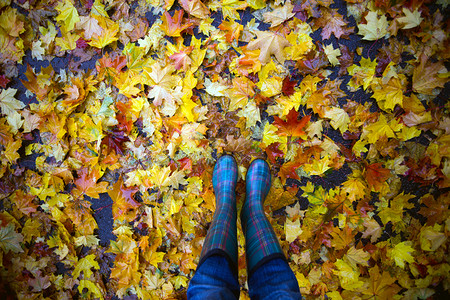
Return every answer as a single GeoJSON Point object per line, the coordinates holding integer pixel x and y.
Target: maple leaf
{"type": "Point", "coordinates": [349, 278]}
{"type": "Point", "coordinates": [162, 82]}
{"type": "Point", "coordinates": [273, 152]}
{"type": "Point", "coordinates": [92, 288]}
{"type": "Point", "coordinates": [332, 54]}
{"type": "Point", "coordinates": [292, 126]}
{"type": "Point", "coordinates": [195, 8]}
{"type": "Point", "coordinates": [8, 103]}
{"type": "Point", "coordinates": [288, 86]}
{"type": "Point", "coordinates": [172, 25]}
{"type": "Point", "coordinates": [68, 14]}
{"type": "Point", "coordinates": [376, 28]}
{"type": "Point", "coordinates": [84, 265]}
{"type": "Point", "coordinates": [24, 202]}
{"type": "Point", "coordinates": [401, 253]}
{"type": "Point", "coordinates": [375, 174]}
{"type": "Point", "coordinates": [339, 118]}
{"type": "Point", "coordinates": [373, 229]}
{"type": "Point", "coordinates": [10, 21]}
{"type": "Point", "coordinates": [342, 238]}
{"type": "Point", "coordinates": [182, 59]}
{"type": "Point", "coordinates": [357, 256]}
{"type": "Point", "coordinates": [331, 22]}
{"type": "Point", "coordinates": [109, 32]}
{"type": "Point", "coordinates": [430, 238]}
{"type": "Point", "coordinates": [288, 170]}
{"type": "Point", "coordinates": [10, 240]}
{"type": "Point", "coordinates": [123, 200]}
{"type": "Point", "coordinates": [292, 229]}
{"type": "Point", "coordinates": [426, 76]}
{"type": "Point", "coordinates": [269, 43]}
{"type": "Point", "coordinates": [90, 26]}
{"type": "Point", "coordinates": [242, 91]}
{"type": "Point", "coordinates": [411, 19]}
{"type": "Point", "coordinates": [114, 140]}
{"type": "Point", "coordinates": [279, 15]}
{"type": "Point", "coordinates": [232, 30]}
{"type": "Point", "coordinates": [251, 113]}
{"type": "Point", "coordinates": [87, 184]}
{"type": "Point", "coordinates": [39, 282]}
{"type": "Point", "coordinates": [355, 188]}
{"type": "Point", "coordinates": [379, 129]}
{"type": "Point", "coordinates": [381, 285]}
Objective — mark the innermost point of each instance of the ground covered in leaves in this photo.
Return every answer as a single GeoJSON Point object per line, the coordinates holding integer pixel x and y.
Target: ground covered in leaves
{"type": "Point", "coordinates": [113, 113]}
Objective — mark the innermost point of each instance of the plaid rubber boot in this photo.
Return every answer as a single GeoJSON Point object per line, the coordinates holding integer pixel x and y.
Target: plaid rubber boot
{"type": "Point", "coordinates": [222, 234]}
{"type": "Point", "coordinates": [261, 241]}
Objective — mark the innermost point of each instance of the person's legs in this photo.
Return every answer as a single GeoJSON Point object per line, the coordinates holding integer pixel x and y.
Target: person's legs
{"type": "Point", "coordinates": [268, 271]}
{"type": "Point", "coordinates": [220, 244]}
{"type": "Point", "coordinates": [214, 279]}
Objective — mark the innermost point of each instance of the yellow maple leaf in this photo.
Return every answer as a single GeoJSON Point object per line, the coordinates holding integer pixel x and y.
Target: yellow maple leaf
{"type": "Point", "coordinates": [401, 253]}
{"type": "Point", "coordinates": [242, 91]}
{"type": "Point", "coordinates": [68, 41]}
{"type": "Point", "coordinates": [430, 238]}
{"type": "Point", "coordinates": [339, 118]}
{"type": "Point", "coordinates": [269, 43]}
{"type": "Point", "coordinates": [355, 188]}
{"type": "Point", "coordinates": [91, 287]}
{"type": "Point", "coordinates": [10, 22]}
{"type": "Point", "coordinates": [292, 230]}
{"type": "Point", "coordinates": [8, 103]}
{"type": "Point", "coordinates": [84, 265]}
{"type": "Point", "coordinates": [357, 256]}
{"type": "Point", "coordinates": [68, 14]}
{"type": "Point", "coordinates": [156, 257]}
{"type": "Point", "coordinates": [349, 278]}
{"type": "Point", "coordinates": [109, 32]}
{"type": "Point", "coordinates": [10, 153]}
{"type": "Point", "coordinates": [376, 28]}
{"type": "Point", "coordinates": [362, 75]}
{"type": "Point", "coordinates": [411, 19]}
{"type": "Point", "coordinates": [251, 114]}
{"type": "Point", "coordinates": [332, 54]}
{"type": "Point", "coordinates": [279, 14]}
{"type": "Point", "coordinates": [378, 129]}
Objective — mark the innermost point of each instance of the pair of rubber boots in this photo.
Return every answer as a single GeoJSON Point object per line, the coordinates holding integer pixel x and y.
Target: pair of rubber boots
{"type": "Point", "coordinates": [261, 241]}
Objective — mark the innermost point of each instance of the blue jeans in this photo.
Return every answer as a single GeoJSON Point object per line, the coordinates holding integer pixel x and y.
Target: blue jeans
{"type": "Point", "coordinates": [214, 279]}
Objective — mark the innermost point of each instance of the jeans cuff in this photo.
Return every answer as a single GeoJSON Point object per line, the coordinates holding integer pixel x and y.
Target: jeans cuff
{"type": "Point", "coordinates": [264, 260]}
{"type": "Point", "coordinates": [220, 252]}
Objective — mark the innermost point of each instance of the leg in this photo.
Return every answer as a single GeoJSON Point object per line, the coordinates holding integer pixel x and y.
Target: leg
{"type": "Point", "coordinates": [270, 276]}
{"type": "Point", "coordinates": [217, 268]}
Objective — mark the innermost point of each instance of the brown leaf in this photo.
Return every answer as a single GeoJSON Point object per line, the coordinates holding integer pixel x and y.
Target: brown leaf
{"type": "Point", "coordinates": [426, 76]}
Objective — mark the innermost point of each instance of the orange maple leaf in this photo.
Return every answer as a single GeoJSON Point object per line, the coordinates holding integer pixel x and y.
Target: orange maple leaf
{"type": "Point", "coordinates": [172, 25]}
{"type": "Point", "coordinates": [292, 126]}
{"type": "Point", "coordinates": [87, 183]}
{"type": "Point", "coordinates": [375, 174]}
{"type": "Point", "coordinates": [123, 201]}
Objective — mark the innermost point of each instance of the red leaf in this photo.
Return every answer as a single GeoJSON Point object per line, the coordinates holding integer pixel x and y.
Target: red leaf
{"type": "Point", "coordinates": [273, 152]}
{"type": "Point", "coordinates": [288, 86]}
{"type": "Point", "coordinates": [4, 81]}
{"type": "Point", "coordinates": [114, 140]}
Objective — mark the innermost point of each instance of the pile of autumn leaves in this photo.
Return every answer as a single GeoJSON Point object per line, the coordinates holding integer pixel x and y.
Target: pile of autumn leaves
{"type": "Point", "coordinates": [145, 125]}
